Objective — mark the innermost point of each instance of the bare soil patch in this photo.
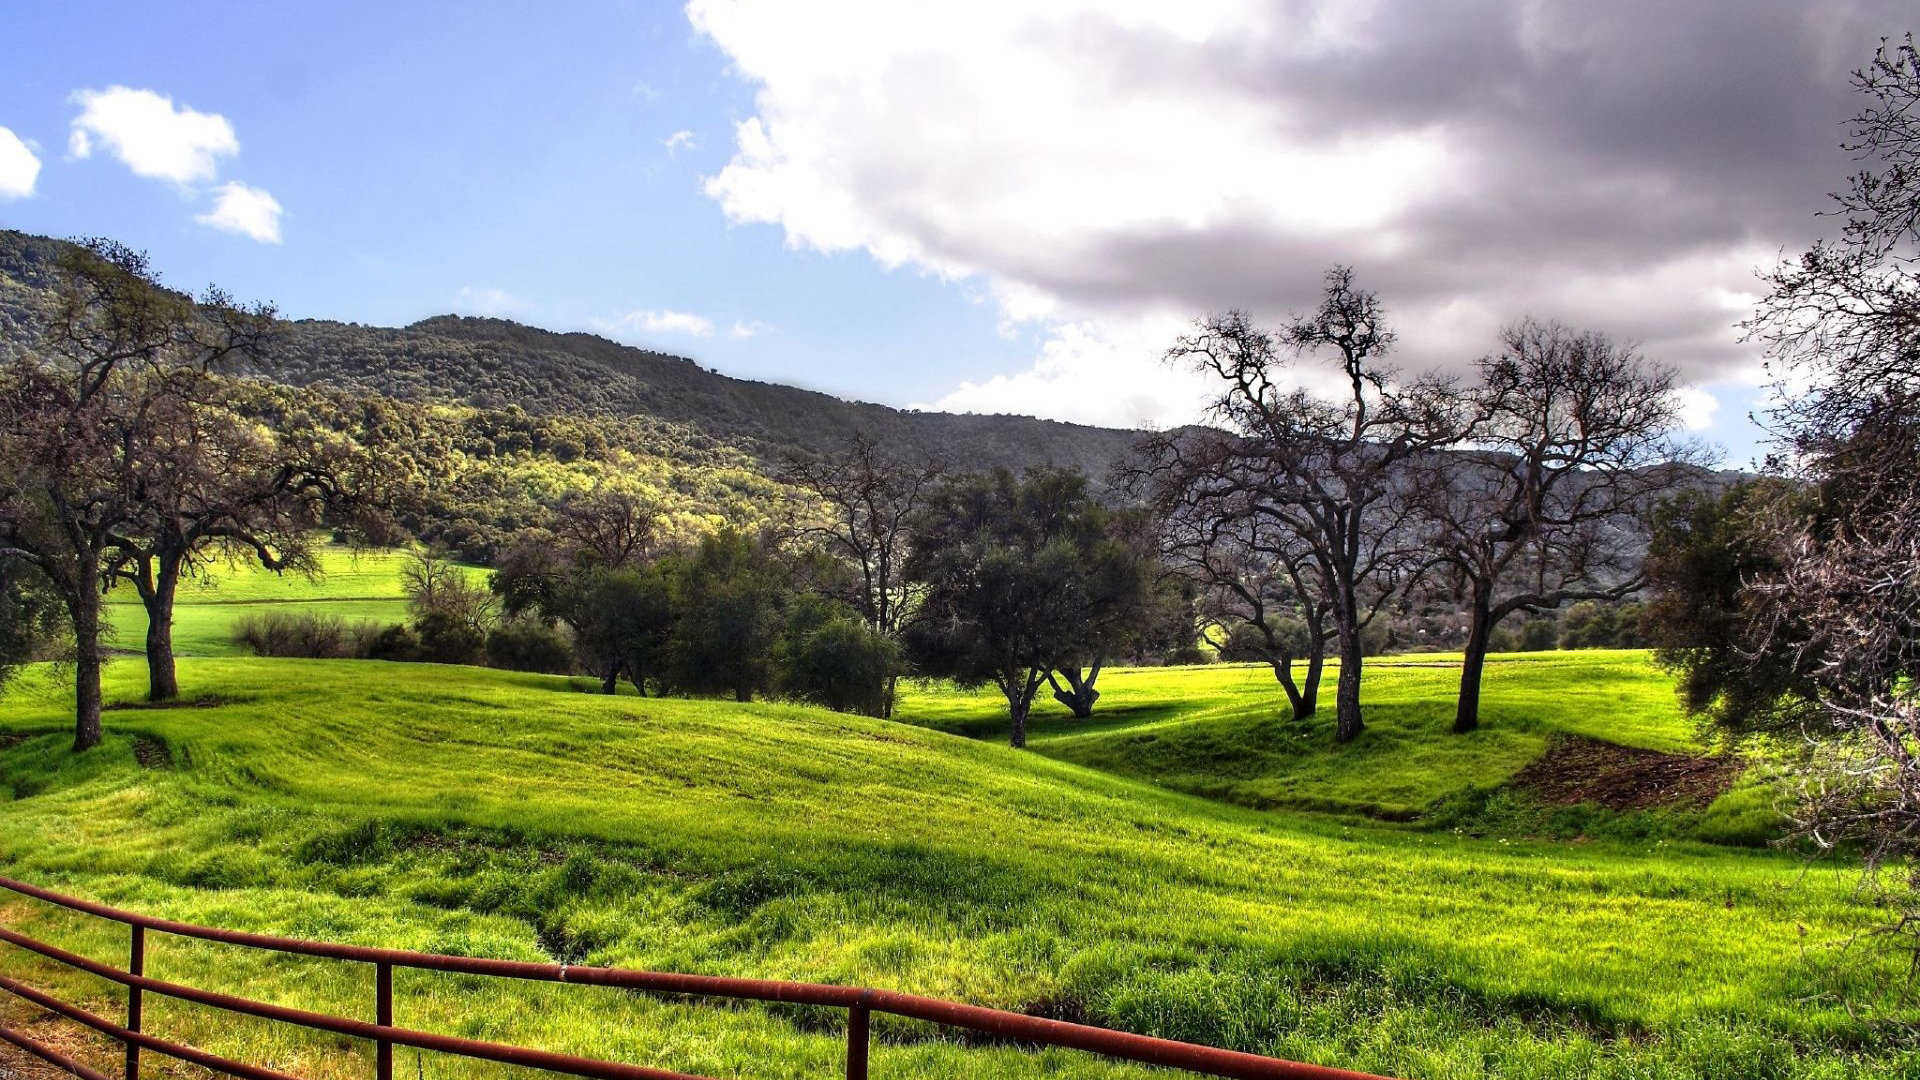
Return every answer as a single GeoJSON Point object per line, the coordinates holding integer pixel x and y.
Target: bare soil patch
{"type": "Point", "coordinates": [151, 753]}
{"type": "Point", "coordinates": [1580, 770]}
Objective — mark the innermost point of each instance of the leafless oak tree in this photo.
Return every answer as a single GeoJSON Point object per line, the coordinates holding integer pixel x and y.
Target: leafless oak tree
{"type": "Point", "coordinates": [1327, 467]}
{"type": "Point", "coordinates": [861, 508]}
{"type": "Point", "coordinates": [1545, 506]}
{"type": "Point", "coordinates": [1254, 577]}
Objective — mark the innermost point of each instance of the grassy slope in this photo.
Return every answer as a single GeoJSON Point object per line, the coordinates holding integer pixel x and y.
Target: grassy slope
{"type": "Point", "coordinates": [472, 811]}
{"type": "Point", "coordinates": [351, 584]}
{"type": "Point", "coordinates": [1224, 731]}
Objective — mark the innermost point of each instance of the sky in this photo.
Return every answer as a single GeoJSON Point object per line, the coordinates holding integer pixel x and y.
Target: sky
{"type": "Point", "coordinates": [991, 207]}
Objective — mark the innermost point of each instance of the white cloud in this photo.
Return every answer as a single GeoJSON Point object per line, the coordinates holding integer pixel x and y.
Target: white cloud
{"type": "Point", "coordinates": [1696, 407]}
{"type": "Point", "coordinates": [678, 141]}
{"type": "Point", "coordinates": [753, 328]}
{"type": "Point", "coordinates": [150, 135]}
{"type": "Point", "coordinates": [482, 300]}
{"type": "Point", "coordinates": [19, 166]}
{"type": "Point", "coordinates": [1104, 171]}
{"type": "Point", "coordinates": [1108, 374]}
{"type": "Point", "coordinates": [248, 211]}
{"type": "Point", "coordinates": [657, 322]}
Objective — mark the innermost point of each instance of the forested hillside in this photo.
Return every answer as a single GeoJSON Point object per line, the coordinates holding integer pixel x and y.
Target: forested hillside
{"type": "Point", "coordinates": [493, 363]}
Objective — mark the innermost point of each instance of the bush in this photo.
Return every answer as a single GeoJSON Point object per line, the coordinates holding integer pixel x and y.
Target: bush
{"type": "Point", "coordinates": [529, 645]}
{"type": "Point", "coordinates": [448, 639]}
{"type": "Point", "coordinates": [396, 642]}
{"type": "Point", "coordinates": [839, 662]}
{"type": "Point", "coordinates": [308, 635]}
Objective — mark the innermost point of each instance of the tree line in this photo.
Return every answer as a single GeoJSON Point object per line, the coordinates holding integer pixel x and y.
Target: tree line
{"type": "Point", "coordinates": [1280, 534]}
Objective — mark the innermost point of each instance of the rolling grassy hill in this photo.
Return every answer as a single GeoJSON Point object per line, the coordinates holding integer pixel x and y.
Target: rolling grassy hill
{"type": "Point", "coordinates": [1217, 730]}
{"type": "Point", "coordinates": [1186, 864]}
{"type": "Point", "coordinates": [473, 811]}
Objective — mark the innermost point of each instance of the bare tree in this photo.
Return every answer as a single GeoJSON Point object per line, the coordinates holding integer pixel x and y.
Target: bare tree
{"type": "Point", "coordinates": [609, 527]}
{"type": "Point", "coordinates": [210, 484]}
{"type": "Point", "coordinates": [1839, 607]}
{"type": "Point", "coordinates": [77, 413]}
{"type": "Point", "coordinates": [1328, 469]}
{"type": "Point", "coordinates": [1255, 579]}
{"type": "Point", "coordinates": [1547, 505]}
{"type": "Point", "coordinates": [863, 506]}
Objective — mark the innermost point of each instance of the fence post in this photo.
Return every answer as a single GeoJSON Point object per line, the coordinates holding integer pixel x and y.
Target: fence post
{"type": "Point", "coordinates": [856, 1042]}
{"type": "Point", "coordinates": [136, 965]}
{"type": "Point", "coordinates": [383, 1015]}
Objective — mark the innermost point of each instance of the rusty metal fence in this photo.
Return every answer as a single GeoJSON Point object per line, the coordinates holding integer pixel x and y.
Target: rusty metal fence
{"type": "Point", "coordinates": [860, 1004]}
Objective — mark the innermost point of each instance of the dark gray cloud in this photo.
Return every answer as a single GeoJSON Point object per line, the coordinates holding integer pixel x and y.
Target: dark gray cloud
{"type": "Point", "coordinates": [1623, 165]}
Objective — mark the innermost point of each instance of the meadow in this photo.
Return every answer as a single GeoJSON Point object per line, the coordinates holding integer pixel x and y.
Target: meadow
{"type": "Point", "coordinates": [1188, 863]}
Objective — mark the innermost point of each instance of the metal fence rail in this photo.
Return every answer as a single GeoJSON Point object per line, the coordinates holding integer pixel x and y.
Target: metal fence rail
{"type": "Point", "coordinates": [859, 1002]}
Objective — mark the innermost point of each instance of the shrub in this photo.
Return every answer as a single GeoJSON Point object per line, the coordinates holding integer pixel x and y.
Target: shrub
{"type": "Point", "coordinates": [307, 634]}
{"type": "Point", "coordinates": [395, 642]}
{"type": "Point", "coordinates": [529, 645]}
{"type": "Point", "coordinates": [448, 639]}
{"type": "Point", "coordinates": [837, 661]}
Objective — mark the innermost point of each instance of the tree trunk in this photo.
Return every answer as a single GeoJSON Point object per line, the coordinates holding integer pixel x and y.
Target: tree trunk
{"type": "Point", "coordinates": [84, 607]}
{"type": "Point", "coordinates": [1466, 714]}
{"type": "Point", "coordinates": [163, 684]}
{"type": "Point", "coordinates": [1080, 694]}
{"type": "Point", "coordinates": [1283, 672]}
{"type": "Point", "coordinates": [610, 682]}
{"type": "Point", "coordinates": [887, 697]}
{"type": "Point", "coordinates": [1347, 724]}
{"type": "Point", "coordinates": [1310, 687]}
{"type": "Point", "coordinates": [1019, 691]}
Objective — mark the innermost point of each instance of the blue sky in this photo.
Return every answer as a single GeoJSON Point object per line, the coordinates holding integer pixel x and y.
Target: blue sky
{"type": "Point", "coordinates": [974, 207]}
{"type": "Point", "coordinates": [427, 164]}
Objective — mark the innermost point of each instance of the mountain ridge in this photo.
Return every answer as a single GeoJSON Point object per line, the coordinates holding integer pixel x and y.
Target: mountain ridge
{"type": "Point", "coordinates": [495, 363]}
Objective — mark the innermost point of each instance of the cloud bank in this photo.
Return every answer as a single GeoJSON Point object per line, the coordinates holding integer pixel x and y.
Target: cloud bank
{"type": "Point", "coordinates": [1109, 172]}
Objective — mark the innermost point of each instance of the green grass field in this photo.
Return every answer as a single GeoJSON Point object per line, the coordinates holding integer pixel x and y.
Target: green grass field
{"type": "Point", "coordinates": [1186, 864]}
{"type": "Point", "coordinates": [351, 584]}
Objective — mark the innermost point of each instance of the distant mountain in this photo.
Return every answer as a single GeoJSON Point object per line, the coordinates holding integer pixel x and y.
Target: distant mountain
{"type": "Point", "coordinates": [498, 363]}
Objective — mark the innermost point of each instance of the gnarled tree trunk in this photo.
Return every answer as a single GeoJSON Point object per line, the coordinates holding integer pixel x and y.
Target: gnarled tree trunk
{"type": "Point", "coordinates": [1019, 689]}
{"type": "Point", "coordinates": [1347, 724]}
{"type": "Point", "coordinates": [1079, 694]}
{"type": "Point", "coordinates": [163, 682]}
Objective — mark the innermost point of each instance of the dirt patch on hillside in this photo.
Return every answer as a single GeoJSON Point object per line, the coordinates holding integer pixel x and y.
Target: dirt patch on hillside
{"type": "Point", "coordinates": [1579, 770]}
{"type": "Point", "coordinates": [151, 753]}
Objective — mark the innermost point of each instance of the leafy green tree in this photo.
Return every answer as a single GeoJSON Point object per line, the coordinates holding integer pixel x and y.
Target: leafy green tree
{"type": "Point", "coordinates": [728, 599]}
{"type": "Point", "coordinates": [1019, 577]}
{"type": "Point", "coordinates": [1706, 551]}
{"type": "Point", "coordinates": [831, 656]}
{"type": "Point", "coordinates": [30, 616]}
{"type": "Point", "coordinates": [623, 622]}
